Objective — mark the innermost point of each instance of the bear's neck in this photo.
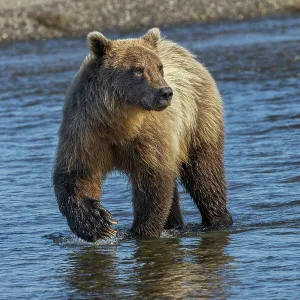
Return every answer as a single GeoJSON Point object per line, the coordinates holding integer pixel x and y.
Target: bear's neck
{"type": "Point", "coordinates": [125, 123]}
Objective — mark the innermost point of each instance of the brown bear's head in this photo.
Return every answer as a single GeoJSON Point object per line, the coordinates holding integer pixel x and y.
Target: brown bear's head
{"type": "Point", "coordinates": [132, 69]}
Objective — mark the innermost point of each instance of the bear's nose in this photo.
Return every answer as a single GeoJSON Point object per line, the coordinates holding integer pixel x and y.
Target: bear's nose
{"type": "Point", "coordinates": [165, 93]}
{"type": "Point", "coordinates": [164, 96]}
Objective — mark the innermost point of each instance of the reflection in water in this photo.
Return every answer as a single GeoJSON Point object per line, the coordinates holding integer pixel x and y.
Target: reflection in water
{"type": "Point", "coordinates": [163, 268]}
{"type": "Point", "coordinates": [183, 268]}
{"type": "Point", "coordinates": [93, 273]}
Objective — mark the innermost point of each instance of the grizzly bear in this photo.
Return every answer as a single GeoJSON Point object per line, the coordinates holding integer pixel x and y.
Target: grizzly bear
{"type": "Point", "coordinates": [148, 108]}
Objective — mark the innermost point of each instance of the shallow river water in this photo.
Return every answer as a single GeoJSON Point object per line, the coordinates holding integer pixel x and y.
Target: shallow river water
{"type": "Point", "coordinates": [256, 65]}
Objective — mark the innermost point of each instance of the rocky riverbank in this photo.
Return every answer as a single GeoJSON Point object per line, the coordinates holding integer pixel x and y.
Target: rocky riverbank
{"type": "Point", "coordinates": [43, 19]}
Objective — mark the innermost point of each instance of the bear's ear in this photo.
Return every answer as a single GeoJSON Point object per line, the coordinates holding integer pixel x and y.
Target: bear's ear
{"type": "Point", "coordinates": [152, 36]}
{"type": "Point", "coordinates": [98, 43]}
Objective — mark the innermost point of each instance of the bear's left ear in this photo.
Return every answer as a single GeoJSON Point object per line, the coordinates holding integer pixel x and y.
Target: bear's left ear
{"type": "Point", "coordinates": [98, 43]}
{"type": "Point", "coordinates": [152, 36]}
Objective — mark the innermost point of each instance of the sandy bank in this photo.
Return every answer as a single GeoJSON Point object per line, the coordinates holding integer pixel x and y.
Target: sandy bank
{"type": "Point", "coordinates": [42, 19]}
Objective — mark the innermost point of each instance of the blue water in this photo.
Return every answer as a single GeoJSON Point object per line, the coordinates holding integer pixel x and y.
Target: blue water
{"type": "Point", "coordinates": [256, 65]}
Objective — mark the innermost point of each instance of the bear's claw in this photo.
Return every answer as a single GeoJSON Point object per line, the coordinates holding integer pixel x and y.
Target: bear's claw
{"type": "Point", "coordinates": [90, 221]}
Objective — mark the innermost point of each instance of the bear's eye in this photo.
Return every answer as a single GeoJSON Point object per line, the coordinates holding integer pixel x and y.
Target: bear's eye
{"type": "Point", "coordinates": [138, 72]}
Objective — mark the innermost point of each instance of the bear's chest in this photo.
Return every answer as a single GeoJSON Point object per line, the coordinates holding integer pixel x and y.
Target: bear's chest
{"type": "Point", "coordinates": [125, 156]}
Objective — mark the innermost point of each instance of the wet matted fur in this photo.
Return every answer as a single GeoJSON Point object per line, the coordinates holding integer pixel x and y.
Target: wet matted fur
{"type": "Point", "coordinates": [112, 121]}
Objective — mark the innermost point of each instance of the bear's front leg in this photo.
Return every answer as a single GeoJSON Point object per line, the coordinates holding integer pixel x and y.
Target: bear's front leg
{"type": "Point", "coordinates": [152, 201]}
{"type": "Point", "coordinates": [78, 201]}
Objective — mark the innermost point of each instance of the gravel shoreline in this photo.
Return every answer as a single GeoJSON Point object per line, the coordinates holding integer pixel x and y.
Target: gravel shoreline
{"type": "Point", "coordinates": [43, 19]}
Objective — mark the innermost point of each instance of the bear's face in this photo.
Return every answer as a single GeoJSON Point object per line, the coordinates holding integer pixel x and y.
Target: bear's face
{"type": "Point", "coordinates": [133, 69]}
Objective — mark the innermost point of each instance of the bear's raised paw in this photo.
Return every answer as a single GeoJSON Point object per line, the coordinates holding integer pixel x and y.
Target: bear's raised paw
{"type": "Point", "coordinates": [90, 221]}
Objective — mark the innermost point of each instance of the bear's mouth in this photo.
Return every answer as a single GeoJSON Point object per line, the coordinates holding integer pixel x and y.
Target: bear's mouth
{"type": "Point", "coordinates": [154, 104]}
{"type": "Point", "coordinates": [161, 105]}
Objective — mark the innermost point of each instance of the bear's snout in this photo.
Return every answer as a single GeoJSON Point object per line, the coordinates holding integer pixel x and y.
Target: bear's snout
{"type": "Point", "coordinates": [164, 97]}
{"type": "Point", "coordinates": [165, 93]}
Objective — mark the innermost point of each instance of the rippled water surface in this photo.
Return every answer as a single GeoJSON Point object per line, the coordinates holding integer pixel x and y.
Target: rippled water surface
{"type": "Point", "coordinates": [256, 65]}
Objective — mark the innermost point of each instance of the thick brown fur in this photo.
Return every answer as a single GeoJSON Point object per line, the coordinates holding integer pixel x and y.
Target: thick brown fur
{"type": "Point", "coordinates": [110, 122]}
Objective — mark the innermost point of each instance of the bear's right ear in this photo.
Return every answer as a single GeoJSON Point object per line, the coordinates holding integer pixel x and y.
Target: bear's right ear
{"type": "Point", "coordinates": [98, 43]}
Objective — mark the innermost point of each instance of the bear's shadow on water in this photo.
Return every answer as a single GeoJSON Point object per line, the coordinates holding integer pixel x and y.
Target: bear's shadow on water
{"type": "Point", "coordinates": [185, 264]}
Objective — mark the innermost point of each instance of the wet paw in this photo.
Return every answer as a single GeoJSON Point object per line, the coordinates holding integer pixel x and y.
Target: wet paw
{"type": "Point", "coordinates": [143, 231]}
{"type": "Point", "coordinates": [217, 223]}
{"type": "Point", "coordinates": [174, 223]}
{"type": "Point", "coordinates": [90, 221]}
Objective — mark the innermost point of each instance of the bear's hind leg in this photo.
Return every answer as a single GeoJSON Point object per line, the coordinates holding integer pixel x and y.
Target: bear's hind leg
{"type": "Point", "coordinates": [175, 219]}
{"type": "Point", "coordinates": [203, 177]}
